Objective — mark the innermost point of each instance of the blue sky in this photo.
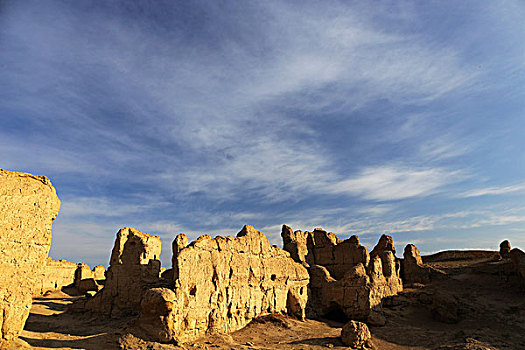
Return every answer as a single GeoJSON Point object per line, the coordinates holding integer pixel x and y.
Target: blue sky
{"type": "Point", "coordinates": [200, 117]}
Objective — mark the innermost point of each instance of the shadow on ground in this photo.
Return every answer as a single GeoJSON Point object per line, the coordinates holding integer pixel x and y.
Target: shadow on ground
{"type": "Point", "coordinates": [97, 342]}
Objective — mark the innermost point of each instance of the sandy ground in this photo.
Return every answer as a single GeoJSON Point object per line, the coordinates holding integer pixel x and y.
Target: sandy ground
{"type": "Point", "coordinates": [491, 308]}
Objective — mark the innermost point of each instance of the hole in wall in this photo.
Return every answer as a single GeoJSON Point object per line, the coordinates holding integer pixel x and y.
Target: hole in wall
{"type": "Point", "coordinates": [336, 313]}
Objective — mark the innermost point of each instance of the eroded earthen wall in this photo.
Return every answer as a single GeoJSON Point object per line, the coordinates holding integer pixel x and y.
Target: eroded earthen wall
{"type": "Point", "coordinates": [134, 268]}
{"type": "Point", "coordinates": [344, 277]}
{"type": "Point", "coordinates": [324, 248]}
{"type": "Point", "coordinates": [223, 283]}
{"type": "Point", "coordinates": [56, 275]}
{"type": "Point", "coordinates": [88, 280]}
{"type": "Point", "coordinates": [28, 206]}
{"type": "Point", "coordinates": [414, 270]}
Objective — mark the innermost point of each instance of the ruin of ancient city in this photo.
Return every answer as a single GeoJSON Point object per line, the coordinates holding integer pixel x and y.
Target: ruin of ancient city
{"type": "Point", "coordinates": [260, 175]}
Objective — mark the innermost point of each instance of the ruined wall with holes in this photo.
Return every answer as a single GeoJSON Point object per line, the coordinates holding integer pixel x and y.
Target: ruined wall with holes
{"type": "Point", "coordinates": [134, 268]}
{"type": "Point", "coordinates": [344, 277]}
{"type": "Point", "coordinates": [221, 284]}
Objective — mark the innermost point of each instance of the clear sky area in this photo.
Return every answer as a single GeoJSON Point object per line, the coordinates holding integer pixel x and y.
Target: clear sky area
{"type": "Point", "coordinates": [360, 117]}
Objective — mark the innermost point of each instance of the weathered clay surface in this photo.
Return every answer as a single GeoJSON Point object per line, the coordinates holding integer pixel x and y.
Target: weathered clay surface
{"type": "Point", "coordinates": [57, 274]}
{"type": "Point", "coordinates": [223, 283]}
{"type": "Point", "coordinates": [324, 248]}
{"type": "Point", "coordinates": [157, 316]}
{"type": "Point", "coordinates": [28, 206]}
{"type": "Point", "coordinates": [504, 249]}
{"type": "Point", "coordinates": [295, 243]}
{"type": "Point", "coordinates": [385, 244]}
{"type": "Point", "coordinates": [99, 273]}
{"type": "Point", "coordinates": [134, 268]}
{"type": "Point", "coordinates": [356, 335]}
{"type": "Point", "coordinates": [180, 242]}
{"type": "Point", "coordinates": [344, 277]}
{"type": "Point", "coordinates": [414, 270]}
{"type": "Point", "coordinates": [133, 247]}
{"type": "Point", "coordinates": [82, 272]}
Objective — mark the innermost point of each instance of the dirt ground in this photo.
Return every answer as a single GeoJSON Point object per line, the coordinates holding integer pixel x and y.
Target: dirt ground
{"type": "Point", "coordinates": [490, 305]}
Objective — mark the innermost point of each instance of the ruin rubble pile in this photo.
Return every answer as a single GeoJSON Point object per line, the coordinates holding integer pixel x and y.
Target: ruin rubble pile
{"type": "Point", "coordinates": [221, 284]}
{"type": "Point", "coordinates": [356, 335]}
{"type": "Point", "coordinates": [28, 206]}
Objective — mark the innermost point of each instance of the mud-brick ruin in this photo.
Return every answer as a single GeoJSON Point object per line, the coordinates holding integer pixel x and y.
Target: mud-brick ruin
{"type": "Point", "coordinates": [215, 285]}
{"type": "Point", "coordinates": [221, 284]}
{"type": "Point", "coordinates": [60, 274]}
{"type": "Point", "coordinates": [414, 270]}
{"type": "Point", "coordinates": [28, 206]}
{"type": "Point", "coordinates": [134, 266]}
{"type": "Point", "coordinates": [344, 277]}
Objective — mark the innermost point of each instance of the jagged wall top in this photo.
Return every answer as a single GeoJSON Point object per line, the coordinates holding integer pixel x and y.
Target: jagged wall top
{"type": "Point", "coordinates": [133, 247]}
{"type": "Point", "coordinates": [324, 248]}
{"type": "Point", "coordinates": [222, 283]}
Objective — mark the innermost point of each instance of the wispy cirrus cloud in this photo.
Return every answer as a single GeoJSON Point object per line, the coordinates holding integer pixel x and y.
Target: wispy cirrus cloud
{"type": "Point", "coordinates": [386, 183]}
{"type": "Point", "coordinates": [495, 190]}
{"type": "Point", "coordinates": [202, 117]}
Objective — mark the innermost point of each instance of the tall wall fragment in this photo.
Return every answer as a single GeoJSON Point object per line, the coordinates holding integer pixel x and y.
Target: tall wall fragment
{"type": "Point", "coordinates": [504, 249]}
{"type": "Point", "coordinates": [221, 284]}
{"type": "Point", "coordinates": [28, 206]}
{"type": "Point", "coordinates": [414, 270]}
{"type": "Point", "coordinates": [134, 268]}
{"type": "Point", "coordinates": [88, 280]}
{"type": "Point", "coordinates": [344, 277]}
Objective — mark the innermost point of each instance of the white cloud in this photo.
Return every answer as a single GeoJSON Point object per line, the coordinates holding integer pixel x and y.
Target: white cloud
{"type": "Point", "coordinates": [386, 183]}
{"type": "Point", "coordinates": [375, 209]}
{"type": "Point", "coordinates": [445, 147]}
{"type": "Point", "coordinates": [107, 207]}
{"type": "Point", "coordinates": [460, 220]}
{"type": "Point", "coordinates": [279, 174]}
{"type": "Point", "coordinates": [496, 190]}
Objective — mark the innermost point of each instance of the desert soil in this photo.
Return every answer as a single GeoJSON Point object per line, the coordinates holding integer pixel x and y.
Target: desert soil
{"type": "Point", "coordinates": [491, 309]}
